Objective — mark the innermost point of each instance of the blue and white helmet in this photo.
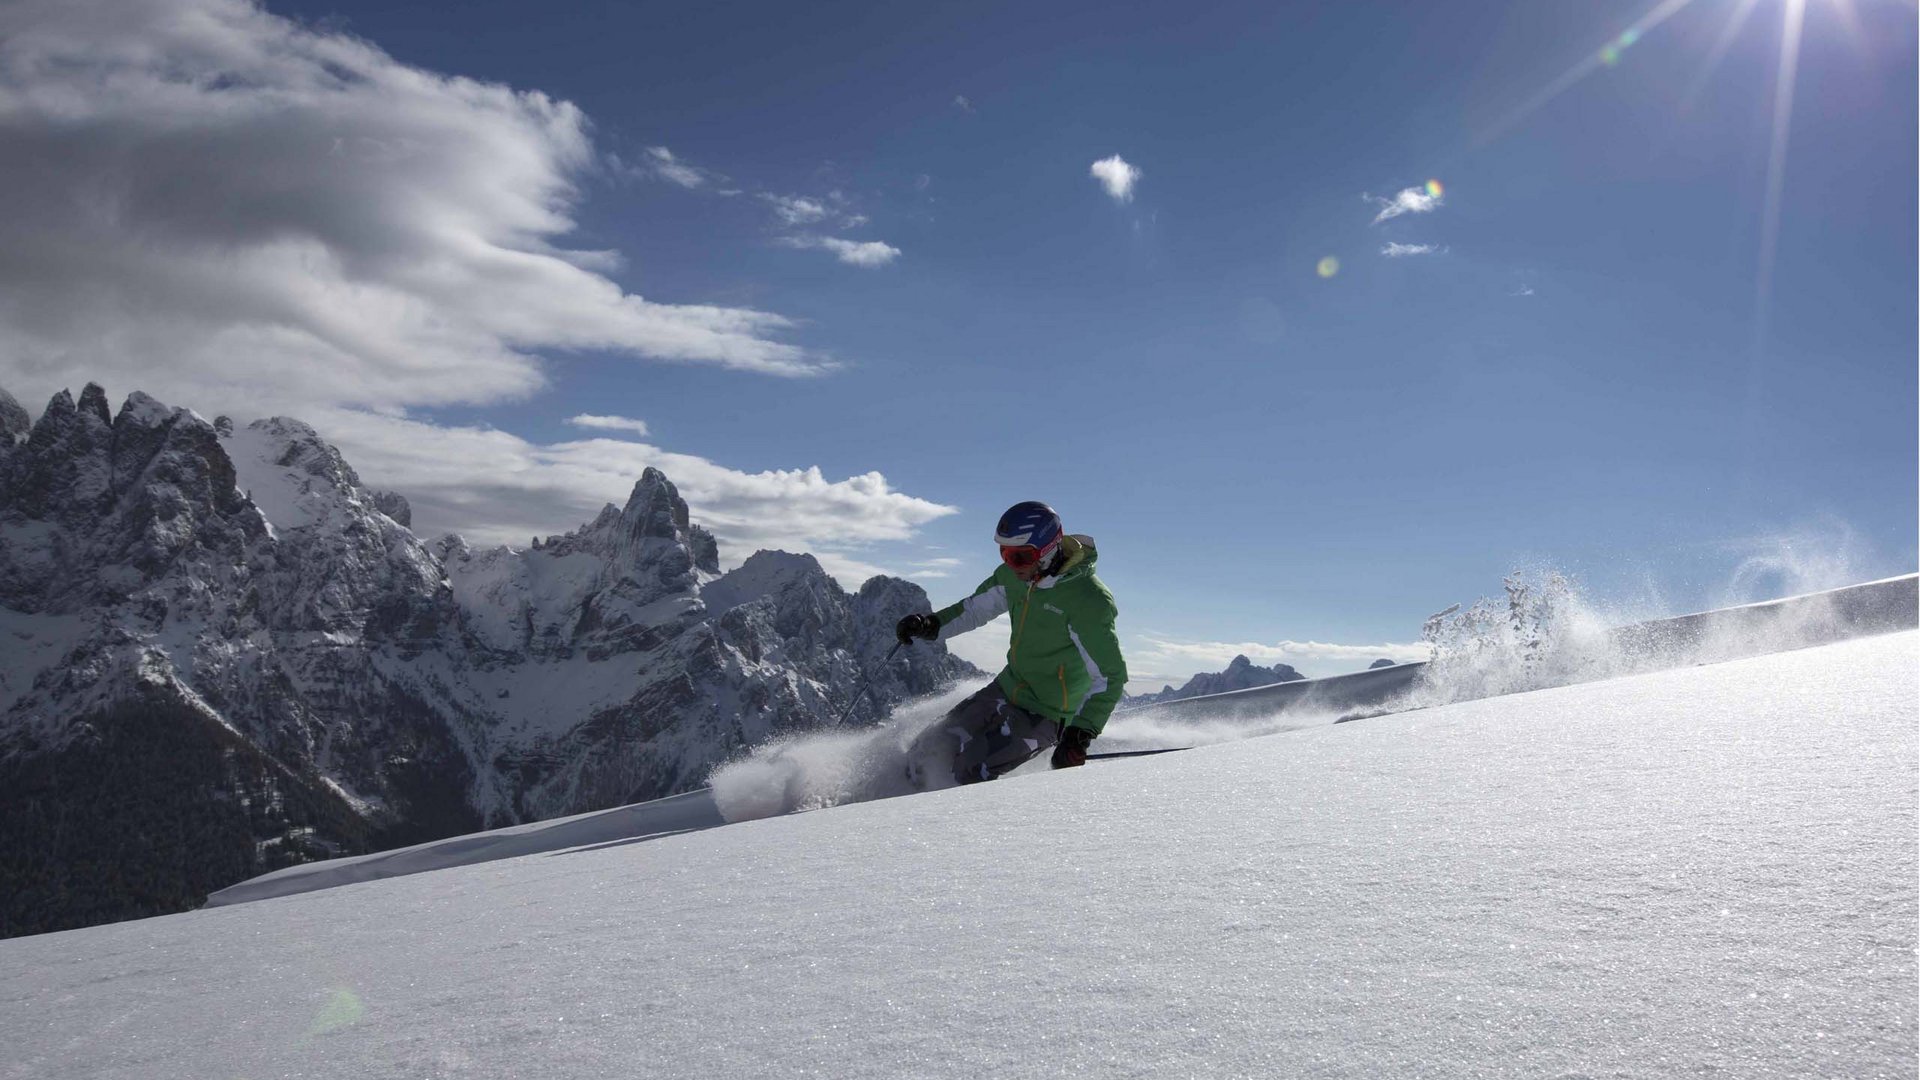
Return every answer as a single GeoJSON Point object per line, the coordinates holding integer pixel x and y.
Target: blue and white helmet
{"type": "Point", "coordinates": [1029, 524]}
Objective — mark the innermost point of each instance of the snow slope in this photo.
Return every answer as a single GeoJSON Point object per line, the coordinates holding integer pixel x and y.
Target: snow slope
{"type": "Point", "coordinates": [1706, 870]}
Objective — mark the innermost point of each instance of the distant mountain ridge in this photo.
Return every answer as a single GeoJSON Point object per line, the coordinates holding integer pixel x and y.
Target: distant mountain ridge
{"type": "Point", "coordinates": [1240, 674]}
{"type": "Point", "coordinates": [181, 598]}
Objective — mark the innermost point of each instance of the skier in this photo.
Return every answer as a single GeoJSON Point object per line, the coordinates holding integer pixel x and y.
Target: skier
{"type": "Point", "coordinates": [1064, 671]}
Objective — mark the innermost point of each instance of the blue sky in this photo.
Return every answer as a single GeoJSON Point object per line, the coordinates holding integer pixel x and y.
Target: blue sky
{"type": "Point", "coordinates": [1579, 368]}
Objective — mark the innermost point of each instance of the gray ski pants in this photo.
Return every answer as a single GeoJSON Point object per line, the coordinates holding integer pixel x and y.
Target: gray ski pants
{"type": "Point", "coordinates": [991, 736]}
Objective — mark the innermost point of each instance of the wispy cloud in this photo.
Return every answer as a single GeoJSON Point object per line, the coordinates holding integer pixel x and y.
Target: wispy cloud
{"type": "Point", "coordinates": [867, 253]}
{"type": "Point", "coordinates": [934, 568]}
{"type": "Point", "coordinates": [1401, 251]}
{"type": "Point", "coordinates": [795, 209]}
{"type": "Point", "coordinates": [1413, 200]}
{"type": "Point", "coordinates": [1116, 176]}
{"type": "Point", "coordinates": [963, 103]}
{"type": "Point", "coordinates": [277, 214]}
{"type": "Point", "coordinates": [609, 423]}
{"type": "Point", "coordinates": [662, 162]}
{"type": "Point", "coordinates": [1524, 290]}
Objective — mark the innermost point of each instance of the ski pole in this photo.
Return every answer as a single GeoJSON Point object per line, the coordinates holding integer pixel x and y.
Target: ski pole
{"type": "Point", "coordinates": [1135, 753]}
{"type": "Point", "coordinates": [868, 681]}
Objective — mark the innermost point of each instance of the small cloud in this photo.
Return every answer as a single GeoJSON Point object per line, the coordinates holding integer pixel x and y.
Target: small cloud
{"type": "Point", "coordinates": [854, 221]}
{"type": "Point", "coordinates": [609, 423]}
{"type": "Point", "coordinates": [663, 164]}
{"type": "Point", "coordinates": [1524, 290]}
{"type": "Point", "coordinates": [1401, 251]}
{"type": "Point", "coordinates": [795, 210]}
{"type": "Point", "coordinates": [963, 103]}
{"type": "Point", "coordinates": [1414, 200]}
{"type": "Point", "coordinates": [867, 253]}
{"type": "Point", "coordinates": [921, 182]}
{"type": "Point", "coordinates": [1116, 176]}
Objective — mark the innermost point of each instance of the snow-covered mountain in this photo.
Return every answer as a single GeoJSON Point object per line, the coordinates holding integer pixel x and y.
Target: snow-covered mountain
{"type": "Point", "coordinates": [1241, 674]}
{"type": "Point", "coordinates": [224, 653]}
{"type": "Point", "coordinates": [1706, 871]}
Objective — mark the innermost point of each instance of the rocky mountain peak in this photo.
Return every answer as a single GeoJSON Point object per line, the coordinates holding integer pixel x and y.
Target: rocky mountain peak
{"type": "Point", "coordinates": [14, 421]}
{"type": "Point", "coordinates": [1240, 674]}
{"type": "Point", "coordinates": [655, 508]}
{"type": "Point", "coordinates": [93, 402]}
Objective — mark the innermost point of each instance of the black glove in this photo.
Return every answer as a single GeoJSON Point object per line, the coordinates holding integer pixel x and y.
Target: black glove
{"type": "Point", "coordinates": [1071, 750]}
{"type": "Point", "coordinates": [917, 626]}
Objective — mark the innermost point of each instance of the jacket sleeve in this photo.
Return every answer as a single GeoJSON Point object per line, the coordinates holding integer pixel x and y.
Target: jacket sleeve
{"type": "Point", "coordinates": [987, 603]}
{"type": "Point", "coordinates": [1099, 644]}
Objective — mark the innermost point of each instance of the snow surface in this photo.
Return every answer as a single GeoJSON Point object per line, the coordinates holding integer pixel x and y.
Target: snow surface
{"type": "Point", "coordinates": [1703, 871]}
{"type": "Point", "coordinates": [284, 495]}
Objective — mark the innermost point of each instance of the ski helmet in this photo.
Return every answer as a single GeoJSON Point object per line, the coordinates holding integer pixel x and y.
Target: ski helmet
{"type": "Point", "coordinates": [1029, 524]}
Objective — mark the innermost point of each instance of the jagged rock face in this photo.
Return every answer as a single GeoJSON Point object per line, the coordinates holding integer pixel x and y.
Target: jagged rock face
{"type": "Point", "coordinates": [95, 511]}
{"type": "Point", "coordinates": [1241, 674]}
{"type": "Point", "coordinates": [243, 580]}
{"type": "Point", "coordinates": [14, 421]}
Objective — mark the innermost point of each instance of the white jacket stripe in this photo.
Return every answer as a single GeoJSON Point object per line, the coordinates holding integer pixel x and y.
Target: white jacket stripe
{"type": "Point", "coordinates": [977, 610]}
{"type": "Point", "coordinates": [1098, 682]}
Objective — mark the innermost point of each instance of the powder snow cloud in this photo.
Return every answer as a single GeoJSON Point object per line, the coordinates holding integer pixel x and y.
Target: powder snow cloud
{"type": "Point", "coordinates": [214, 202]}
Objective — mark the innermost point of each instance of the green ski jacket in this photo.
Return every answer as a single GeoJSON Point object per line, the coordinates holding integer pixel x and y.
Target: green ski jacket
{"type": "Point", "coordinates": [1064, 659]}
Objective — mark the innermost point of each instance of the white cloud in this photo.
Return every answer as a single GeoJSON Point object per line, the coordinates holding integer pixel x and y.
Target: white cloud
{"type": "Point", "coordinates": [854, 221]}
{"type": "Point", "coordinates": [796, 210]}
{"type": "Point", "coordinates": [1116, 176]}
{"type": "Point", "coordinates": [609, 423]}
{"type": "Point", "coordinates": [494, 487]}
{"type": "Point", "coordinates": [1413, 200]}
{"type": "Point", "coordinates": [963, 102]}
{"type": "Point", "coordinates": [1401, 251]}
{"type": "Point", "coordinates": [868, 253]}
{"type": "Point", "coordinates": [1311, 658]}
{"type": "Point", "coordinates": [219, 204]}
{"type": "Point", "coordinates": [676, 170]}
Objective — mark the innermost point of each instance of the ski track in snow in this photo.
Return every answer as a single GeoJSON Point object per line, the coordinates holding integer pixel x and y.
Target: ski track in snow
{"type": "Point", "coordinates": [1701, 871]}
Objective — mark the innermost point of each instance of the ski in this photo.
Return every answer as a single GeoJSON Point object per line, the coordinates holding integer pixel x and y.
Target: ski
{"type": "Point", "coordinates": [1135, 753]}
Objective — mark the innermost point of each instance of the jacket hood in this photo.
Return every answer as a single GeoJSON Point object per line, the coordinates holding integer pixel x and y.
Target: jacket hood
{"type": "Point", "coordinates": [1080, 555]}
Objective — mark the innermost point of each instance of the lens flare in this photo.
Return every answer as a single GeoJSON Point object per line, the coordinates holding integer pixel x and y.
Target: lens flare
{"type": "Point", "coordinates": [1434, 190]}
{"type": "Point", "coordinates": [343, 1009]}
{"type": "Point", "coordinates": [1328, 267]}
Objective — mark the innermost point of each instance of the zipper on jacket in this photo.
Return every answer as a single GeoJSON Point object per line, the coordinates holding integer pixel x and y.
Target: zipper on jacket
{"type": "Point", "coordinates": [1014, 653]}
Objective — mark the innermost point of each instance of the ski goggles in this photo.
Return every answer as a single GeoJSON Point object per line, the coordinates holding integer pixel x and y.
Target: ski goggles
{"type": "Point", "coordinates": [1024, 556]}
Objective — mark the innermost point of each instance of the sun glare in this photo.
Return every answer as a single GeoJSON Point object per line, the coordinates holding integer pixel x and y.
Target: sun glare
{"type": "Point", "coordinates": [1611, 54]}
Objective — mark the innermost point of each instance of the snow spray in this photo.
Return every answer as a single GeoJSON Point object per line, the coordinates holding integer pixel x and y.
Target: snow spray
{"type": "Point", "coordinates": [828, 768]}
